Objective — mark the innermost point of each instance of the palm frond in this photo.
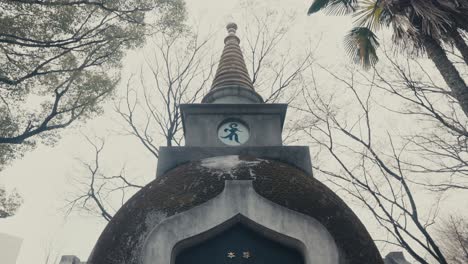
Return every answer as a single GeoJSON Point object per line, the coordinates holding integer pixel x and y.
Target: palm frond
{"type": "Point", "coordinates": [317, 6]}
{"type": "Point", "coordinates": [370, 14]}
{"type": "Point", "coordinates": [430, 17]}
{"type": "Point", "coordinates": [361, 45]}
{"type": "Point", "coordinates": [333, 7]}
{"type": "Point", "coordinates": [458, 10]}
{"type": "Point", "coordinates": [406, 38]}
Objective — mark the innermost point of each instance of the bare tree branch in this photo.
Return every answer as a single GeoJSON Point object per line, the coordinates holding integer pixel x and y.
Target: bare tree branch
{"type": "Point", "coordinates": [382, 179]}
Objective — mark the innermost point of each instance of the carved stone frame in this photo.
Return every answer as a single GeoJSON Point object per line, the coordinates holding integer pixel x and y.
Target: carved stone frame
{"type": "Point", "coordinates": [240, 203]}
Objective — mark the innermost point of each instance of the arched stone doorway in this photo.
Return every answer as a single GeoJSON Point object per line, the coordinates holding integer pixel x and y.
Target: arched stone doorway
{"type": "Point", "coordinates": [239, 244]}
{"type": "Point", "coordinates": [239, 204]}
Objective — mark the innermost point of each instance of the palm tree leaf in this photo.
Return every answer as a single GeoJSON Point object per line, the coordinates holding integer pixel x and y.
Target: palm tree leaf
{"type": "Point", "coordinates": [318, 5]}
{"type": "Point", "coordinates": [334, 7]}
{"type": "Point", "coordinates": [405, 36]}
{"type": "Point", "coordinates": [361, 45]}
{"type": "Point", "coordinates": [433, 20]}
{"type": "Point", "coordinates": [370, 14]}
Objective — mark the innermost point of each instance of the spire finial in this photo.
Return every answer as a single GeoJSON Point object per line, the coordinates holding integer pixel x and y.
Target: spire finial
{"type": "Point", "coordinates": [231, 28]}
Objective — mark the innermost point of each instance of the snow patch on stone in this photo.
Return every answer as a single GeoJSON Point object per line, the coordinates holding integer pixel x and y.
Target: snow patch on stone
{"type": "Point", "coordinates": [252, 174]}
{"type": "Point", "coordinates": [227, 164]}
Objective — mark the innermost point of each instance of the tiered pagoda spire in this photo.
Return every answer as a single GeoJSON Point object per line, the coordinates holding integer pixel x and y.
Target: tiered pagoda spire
{"type": "Point", "coordinates": [232, 83]}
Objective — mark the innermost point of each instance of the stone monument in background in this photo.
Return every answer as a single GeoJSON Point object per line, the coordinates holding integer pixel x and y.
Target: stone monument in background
{"type": "Point", "coordinates": [9, 248]}
{"type": "Point", "coordinates": [234, 193]}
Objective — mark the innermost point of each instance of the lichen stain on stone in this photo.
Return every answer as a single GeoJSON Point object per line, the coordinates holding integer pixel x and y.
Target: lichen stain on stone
{"type": "Point", "coordinates": [154, 218]}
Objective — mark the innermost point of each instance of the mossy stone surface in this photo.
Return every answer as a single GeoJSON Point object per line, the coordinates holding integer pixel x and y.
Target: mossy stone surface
{"type": "Point", "coordinates": [194, 183]}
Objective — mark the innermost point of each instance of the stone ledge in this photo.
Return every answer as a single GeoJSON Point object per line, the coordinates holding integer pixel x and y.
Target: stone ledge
{"type": "Point", "coordinates": [171, 157]}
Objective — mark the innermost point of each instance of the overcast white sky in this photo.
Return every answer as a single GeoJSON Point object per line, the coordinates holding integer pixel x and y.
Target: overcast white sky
{"type": "Point", "coordinates": [44, 176]}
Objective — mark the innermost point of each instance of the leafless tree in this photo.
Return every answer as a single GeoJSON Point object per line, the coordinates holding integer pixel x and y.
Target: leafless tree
{"type": "Point", "coordinates": [270, 62]}
{"type": "Point", "coordinates": [95, 189]}
{"type": "Point", "coordinates": [454, 233]}
{"type": "Point", "coordinates": [383, 166]}
{"type": "Point", "coordinates": [180, 68]}
{"type": "Point", "coordinates": [441, 147]}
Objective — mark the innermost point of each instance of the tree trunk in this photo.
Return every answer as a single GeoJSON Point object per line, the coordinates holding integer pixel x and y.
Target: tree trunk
{"type": "Point", "coordinates": [460, 44]}
{"type": "Point", "coordinates": [450, 74]}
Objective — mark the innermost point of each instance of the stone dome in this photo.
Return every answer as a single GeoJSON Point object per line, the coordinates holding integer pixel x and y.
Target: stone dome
{"type": "Point", "coordinates": [194, 183]}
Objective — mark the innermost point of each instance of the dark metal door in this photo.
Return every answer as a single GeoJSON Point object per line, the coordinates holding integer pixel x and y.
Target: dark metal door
{"type": "Point", "coordinates": [237, 245]}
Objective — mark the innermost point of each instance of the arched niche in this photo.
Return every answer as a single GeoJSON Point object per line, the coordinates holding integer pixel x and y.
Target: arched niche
{"type": "Point", "coordinates": [239, 240]}
{"type": "Point", "coordinates": [239, 204]}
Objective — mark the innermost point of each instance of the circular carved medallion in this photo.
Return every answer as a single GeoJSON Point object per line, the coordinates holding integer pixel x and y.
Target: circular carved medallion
{"type": "Point", "coordinates": [233, 133]}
